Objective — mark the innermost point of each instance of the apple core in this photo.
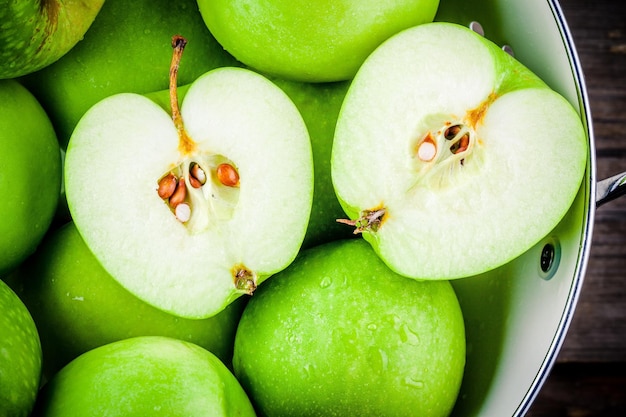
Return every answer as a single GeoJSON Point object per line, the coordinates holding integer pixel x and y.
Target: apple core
{"type": "Point", "coordinates": [202, 185]}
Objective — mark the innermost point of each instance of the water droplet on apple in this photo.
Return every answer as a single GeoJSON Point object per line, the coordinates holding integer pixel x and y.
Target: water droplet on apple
{"type": "Point", "coordinates": [395, 321]}
{"type": "Point", "coordinates": [413, 383]}
{"type": "Point", "coordinates": [309, 369]}
{"type": "Point", "coordinates": [378, 359]}
{"type": "Point", "coordinates": [326, 282]}
{"type": "Point", "coordinates": [372, 326]}
{"type": "Point", "coordinates": [408, 335]}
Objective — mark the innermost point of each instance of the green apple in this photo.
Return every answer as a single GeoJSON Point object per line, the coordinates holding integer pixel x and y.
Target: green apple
{"type": "Point", "coordinates": [125, 50]}
{"type": "Point", "coordinates": [193, 210]}
{"type": "Point", "coordinates": [316, 41]}
{"type": "Point", "coordinates": [30, 174]}
{"type": "Point", "coordinates": [20, 356]}
{"type": "Point", "coordinates": [36, 33]}
{"type": "Point", "coordinates": [319, 105]}
{"type": "Point", "coordinates": [78, 306]}
{"type": "Point", "coordinates": [338, 333]}
{"type": "Point", "coordinates": [144, 376]}
{"type": "Point", "coordinates": [451, 157]}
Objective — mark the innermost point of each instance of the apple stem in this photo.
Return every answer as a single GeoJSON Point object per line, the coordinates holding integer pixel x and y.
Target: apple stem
{"type": "Point", "coordinates": [186, 144]}
{"type": "Point", "coordinates": [369, 221]}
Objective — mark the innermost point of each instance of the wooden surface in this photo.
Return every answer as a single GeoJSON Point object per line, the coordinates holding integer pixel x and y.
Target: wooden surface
{"type": "Point", "coordinates": [589, 378]}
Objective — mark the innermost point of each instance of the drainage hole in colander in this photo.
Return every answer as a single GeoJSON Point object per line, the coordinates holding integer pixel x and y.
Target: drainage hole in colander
{"type": "Point", "coordinates": [549, 259]}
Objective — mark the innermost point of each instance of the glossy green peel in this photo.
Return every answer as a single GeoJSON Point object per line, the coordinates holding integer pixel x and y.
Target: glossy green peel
{"type": "Point", "coordinates": [36, 33]}
{"type": "Point", "coordinates": [145, 376]}
{"type": "Point", "coordinates": [338, 333]}
{"type": "Point", "coordinates": [78, 306]}
{"type": "Point", "coordinates": [20, 356]}
{"type": "Point", "coordinates": [30, 174]}
{"type": "Point", "coordinates": [315, 41]}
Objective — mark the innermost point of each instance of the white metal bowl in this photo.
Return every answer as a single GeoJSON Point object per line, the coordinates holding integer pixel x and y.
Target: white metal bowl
{"type": "Point", "coordinates": [518, 315]}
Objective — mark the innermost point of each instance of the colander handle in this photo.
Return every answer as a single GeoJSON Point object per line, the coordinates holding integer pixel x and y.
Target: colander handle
{"type": "Point", "coordinates": [610, 188]}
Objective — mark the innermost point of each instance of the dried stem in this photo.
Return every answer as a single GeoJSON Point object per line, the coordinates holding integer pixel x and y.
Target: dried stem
{"type": "Point", "coordinates": [186, 144]}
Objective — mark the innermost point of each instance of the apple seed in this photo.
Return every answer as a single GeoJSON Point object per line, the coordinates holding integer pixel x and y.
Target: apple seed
{"type": "Point", "coordinates": [197, 176]}
{"type": "Point", "coordinates": [461, 145]}
{"type": "Point", "coordinates": [427, 150]}
{"type": "Point", "coordinates": [183, 212]}
{"type": "Point", "coordinates": [167, 186]}
{"type": "Point", "coordinates": [452, 131]}
{"type": "Point", "coordinates": [227, 175]}
{"type": "Point", "coordinates": [179, 194]}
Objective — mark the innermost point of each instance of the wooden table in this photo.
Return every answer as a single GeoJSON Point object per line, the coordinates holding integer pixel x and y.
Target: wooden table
{"type": "Point", "coordinates": [589, 378]}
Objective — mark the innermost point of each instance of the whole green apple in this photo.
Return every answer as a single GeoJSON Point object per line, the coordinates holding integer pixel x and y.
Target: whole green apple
{"type": "Point", "coordinates": [144, 376]}
{"type": "Point", "coordinates": [316, 41]}
{"type": "Point", "coordinates": [339, 334]}
{"type": "Point", "coordinates": [319, 105]}
{"type": "Point", "coordinates": [30, 174]}
{"type": "Point", "coordinates": [36, 33]}
{"type": "Point", "coordinates": [78, 306]}
{"type": "Point", "coordinates": [125, 50]}
{"type": "Point", "coordinates": [20, 356]}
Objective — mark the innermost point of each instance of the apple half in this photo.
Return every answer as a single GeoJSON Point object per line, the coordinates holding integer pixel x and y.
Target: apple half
{"type": "Point", "coordinates": [190, 211]}
{"type": "Point", "coordinates": [450, 156]}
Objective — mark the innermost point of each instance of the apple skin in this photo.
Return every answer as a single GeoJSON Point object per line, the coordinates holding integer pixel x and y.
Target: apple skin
{"type": "Point", "coordinates": [20, 356]}
{"type": "Point", "coordinates": [36, 33]}
{"type": "Point", "coordinates": [338, 333]}
{"type": "Point", "coordinates": [127, 49]}
{"type": "Point", "coordinates": [30, 174]}
{"type": "Point", "coordinates": [317, 41]}
{"type": "Point", "coordinates": [144, 376]}
{"type": "Point", "coordinates": [78, 306]}
{"type": "Point", "coordinates": [319, 105]}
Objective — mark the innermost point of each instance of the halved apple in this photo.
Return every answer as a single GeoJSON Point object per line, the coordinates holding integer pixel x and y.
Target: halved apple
{"type": "Point", "coordinates": [450, 156]}
{"type": "Point", "coordinates": [191, 211]}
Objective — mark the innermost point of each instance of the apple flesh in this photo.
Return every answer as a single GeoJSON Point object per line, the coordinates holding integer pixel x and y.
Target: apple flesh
{"type": "Point", "coordinates": [319, 105]}
{"type": "Point", "coordinates": [239, 225]}
{"type": "Point", "coordinates": [339, 333]}
{"type": "Point", "coordinates": [20, 356]}
{"type": "Point", "coordinates": [451, 157]}
{"type": "Point", "coordinates": [36, 33]}
{"type": "Point", "coordinates": [319, 41]}
{"type": "Point", "coordinates": [145, 376]}
{"type": "Point", "coordinates": [30, 174]}
{"type": "Point", "coordinates": [124, 51]}
{"type": "Point", "coordinates": [78, 306]}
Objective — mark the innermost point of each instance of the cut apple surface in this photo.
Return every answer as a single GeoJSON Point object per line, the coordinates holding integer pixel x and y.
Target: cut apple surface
{"type": "Point", "coordinates": [451, 157]}
{"type": "Point", "coordinates": [240, 179]}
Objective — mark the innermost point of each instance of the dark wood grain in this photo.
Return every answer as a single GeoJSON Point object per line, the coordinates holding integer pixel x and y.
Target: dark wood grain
{"type": "Point", "coordinates": [589, 378]}
{"type": "Point", "coordinates": [598, 330]}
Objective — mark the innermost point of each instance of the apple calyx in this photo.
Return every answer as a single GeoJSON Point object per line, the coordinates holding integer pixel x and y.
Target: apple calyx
{"type": "Point", "coordinates": [201, 187]}
{"type": "Point", "coordinates": [245, 280]}
{"type": "Point", "coordinates": [368, 221]}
